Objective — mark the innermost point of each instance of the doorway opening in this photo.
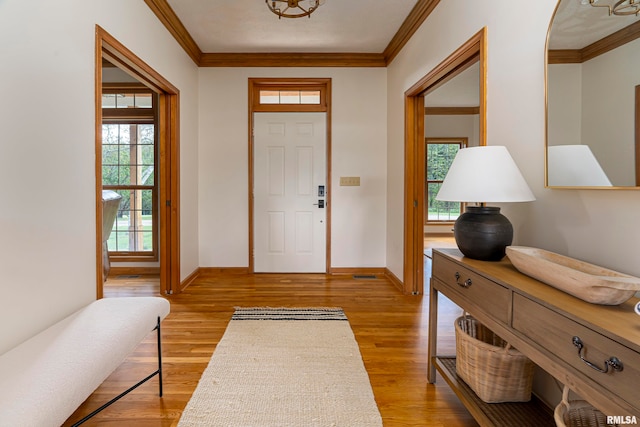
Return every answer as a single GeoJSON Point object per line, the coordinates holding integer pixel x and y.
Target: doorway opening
{"type": "Point", "coordinates": [165, 168]}
{"type": "Point", "coordinates": [285, 96]}
{"type": "Point", "coordinates": [470, 53]}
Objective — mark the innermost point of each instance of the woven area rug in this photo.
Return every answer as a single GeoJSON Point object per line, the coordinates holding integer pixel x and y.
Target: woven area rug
{"type": "Point", "coordinates": [283, 367]}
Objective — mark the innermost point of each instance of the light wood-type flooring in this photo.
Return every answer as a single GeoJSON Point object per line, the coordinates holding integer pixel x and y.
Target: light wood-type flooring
{"type": "Point", "coordinates": [391, 330]}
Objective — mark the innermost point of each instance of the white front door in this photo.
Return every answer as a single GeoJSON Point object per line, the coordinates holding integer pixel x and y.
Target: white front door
{"type": "Point", "coordinates": [289, 182]}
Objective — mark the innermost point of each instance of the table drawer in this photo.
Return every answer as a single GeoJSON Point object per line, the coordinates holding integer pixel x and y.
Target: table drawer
{"type": "Point", "coordinates": [479, 291]}
{"type": "Point", "coordinates": [555, 333]}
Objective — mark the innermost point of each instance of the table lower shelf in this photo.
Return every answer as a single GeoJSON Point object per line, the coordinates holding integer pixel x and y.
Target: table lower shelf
{"type": "Point", "coordinates": [522, 414]}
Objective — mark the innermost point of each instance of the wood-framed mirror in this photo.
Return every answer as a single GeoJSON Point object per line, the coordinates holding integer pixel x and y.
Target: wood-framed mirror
{"type": "Point", "coordinates": [593, 129]}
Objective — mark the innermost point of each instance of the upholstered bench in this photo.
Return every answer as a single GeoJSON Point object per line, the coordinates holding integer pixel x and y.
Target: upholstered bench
{"type": "Point", "coordinates": [45, 379]}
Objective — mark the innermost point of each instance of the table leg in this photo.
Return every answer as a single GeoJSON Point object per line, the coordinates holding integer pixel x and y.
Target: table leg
{"type": "Point", "coordinates": [433, 332]}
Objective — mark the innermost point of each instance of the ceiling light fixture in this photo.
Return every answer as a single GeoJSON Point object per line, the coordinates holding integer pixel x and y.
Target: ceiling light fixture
{"type": "Point", "coordinates": [293, 8]}
{"type": "Point", "coordinates": [620, 8]}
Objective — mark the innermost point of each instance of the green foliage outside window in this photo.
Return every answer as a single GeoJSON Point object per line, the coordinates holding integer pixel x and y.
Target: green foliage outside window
{"type": "Point", "coordinates": [439, 158]}
{"type": "Point", "coordinates": [126, 164]}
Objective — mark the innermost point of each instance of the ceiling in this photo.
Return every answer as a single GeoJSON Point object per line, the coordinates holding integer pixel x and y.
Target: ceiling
{"type": "Point", "coordinates": [249, 26]}
{"type": "Point", "coordinates": [247, 33]}
{"type": "Point", "coordinates": [576, 25]}
{"type": "Point", "coordinates": [339, 33]}
{"type": "Point", "coordinates": [461, 91]}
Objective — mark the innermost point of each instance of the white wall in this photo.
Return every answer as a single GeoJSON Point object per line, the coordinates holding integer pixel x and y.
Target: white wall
{"type": "Point", "coordinates": [358, 139]}
{"type": "Point", "coordinates": [454, 126]}
{"type": "Point", "coordinates": [565, 104]}
{"type": "Point", "coordinates": [608, 111]}
{"type": "Point", "coordinates": [47, 123]}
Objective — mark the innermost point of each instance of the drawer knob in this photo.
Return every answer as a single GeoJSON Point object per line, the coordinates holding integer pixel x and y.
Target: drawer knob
{"type": "Point", "coordinates": [464, 284]}
{"type": "Point", "coordinates": [613, 361]}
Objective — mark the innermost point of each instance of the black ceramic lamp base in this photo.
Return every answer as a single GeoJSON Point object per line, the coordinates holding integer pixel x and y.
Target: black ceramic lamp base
{"type": "Point", "coordinates": [483, 233]}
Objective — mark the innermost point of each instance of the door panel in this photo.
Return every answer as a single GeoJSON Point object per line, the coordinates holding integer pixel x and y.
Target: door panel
{"type": "Point", "coordinates": [289, 166]}
{"type": "Point", "coordinates": [276, 233]}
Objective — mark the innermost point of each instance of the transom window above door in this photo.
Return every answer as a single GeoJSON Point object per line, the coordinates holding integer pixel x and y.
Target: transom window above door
{"type": "Point", "coordinates": [127, 100]}
{"type": "Point", "coordinates": [290, 97]}
{"type": "Point", "coordinates": [295, 94]}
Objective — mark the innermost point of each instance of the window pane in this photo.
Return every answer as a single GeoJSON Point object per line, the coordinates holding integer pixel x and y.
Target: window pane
{"type": "Point", "coordinates": [439, 210]}
{"type": "Point", "coordinates": [124, 175]}
{"type": "Point", "coordinates": [146, 155]}
{"type": "Point", "coordinates": [125, 100]}
{"type": "Point", "coordinates": [120, 238]}
{"type": "Point", "coordinates": [133, 229]}
{"type": "Point", "coordinates": [132, 164]}
{"type": "Point", "coordinates": [108, 100]}
{"type": "Point", "coordinates": [439, 159]}
{"type": "Point", "coordinates": [269, 97]}
{"type": "Point", "coordinates": [148, 177]}
{"type": "Point", "coordinates": [143, 100]}
{"type": "Point", "coordinates": [123, 134]}
{"type": "Point", "coordinates": [290, 97]}
{"type": "Point", "coordinates": [109, 155]}
{"type": "Point", "coordinates": [109, 175]}
{"type": "Point", "coordinates": [110, 134]}
{"type": "Point", "coordinates": [310, 97]}
{"type": "Point", "coordinates": [147, 240]}
{"type": "Point", "coordinates": [124, 154]}
{"type": "Point", "coordinates": [146, 204]}
{"type": "Point", "coordinates": [145, 134]}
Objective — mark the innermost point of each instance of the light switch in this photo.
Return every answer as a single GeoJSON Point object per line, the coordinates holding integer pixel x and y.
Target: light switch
{"type": "Point", "coordinates": [350, 181]}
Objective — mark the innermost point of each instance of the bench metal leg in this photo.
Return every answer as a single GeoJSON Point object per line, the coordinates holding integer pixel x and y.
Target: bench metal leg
{"type": "Point", "coordinates": [130, 389]}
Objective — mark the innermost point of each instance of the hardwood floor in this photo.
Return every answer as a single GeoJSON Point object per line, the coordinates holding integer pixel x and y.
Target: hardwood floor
{"type": "Point", "coordinates": [391, 330]}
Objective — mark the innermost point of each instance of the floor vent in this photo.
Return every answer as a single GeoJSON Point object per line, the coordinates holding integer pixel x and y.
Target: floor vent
{"type": "Point", "coordinates": [365, 276]}
{"type": "Point", "coordinates": [128, 276]}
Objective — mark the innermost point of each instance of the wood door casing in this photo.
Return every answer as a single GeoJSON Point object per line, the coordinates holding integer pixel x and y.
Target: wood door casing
{"type": "Point", "coordinates": [414, 171]}
{"type": "Point", "coordinates": [257, 84]}
{"type": "Point", "coordinates": [107, 47]}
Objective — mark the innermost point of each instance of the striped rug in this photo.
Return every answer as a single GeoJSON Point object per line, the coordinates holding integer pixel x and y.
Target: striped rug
{"type": "Point", "coordinates": [284, 367]}
{"type": "Point", "coordinates": [262, 313]}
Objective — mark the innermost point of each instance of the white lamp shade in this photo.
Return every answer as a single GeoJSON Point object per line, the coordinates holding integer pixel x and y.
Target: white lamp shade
{"type": "Point", "coordinates": [484, 174]}
{"type": "Point", "coordinates": [574, 165]}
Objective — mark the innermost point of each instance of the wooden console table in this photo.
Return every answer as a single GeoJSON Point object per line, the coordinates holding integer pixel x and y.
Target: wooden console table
{"type": "Point", "coordinates": [542, 322]}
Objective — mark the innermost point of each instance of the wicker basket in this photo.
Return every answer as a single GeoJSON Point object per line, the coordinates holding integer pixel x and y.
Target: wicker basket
{"type": "Point", "coordinates": [494, 370]}
{"type": "Point", "coordinates": [577, 413]}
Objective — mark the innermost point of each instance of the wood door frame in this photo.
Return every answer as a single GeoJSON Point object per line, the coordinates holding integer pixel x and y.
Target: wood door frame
{"type": "Point", "coordinates": [108, 48]}
{"type": "Point", "coordinates": [255, 85]}
{"type": "Point", "coordinates": [414, 168]}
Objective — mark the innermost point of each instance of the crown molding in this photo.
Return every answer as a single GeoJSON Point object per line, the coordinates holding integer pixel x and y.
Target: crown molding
{"type": "Point", "coordinates": [292, 60]}
{"type": "Point", "coordinates": [170, 20]}
{"type": "Point", "coordinates": [604, 45]}
{"type": "Point", "coordinates": [564, 56]}
{"type": "Point", "coordinates": [416, 17]}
